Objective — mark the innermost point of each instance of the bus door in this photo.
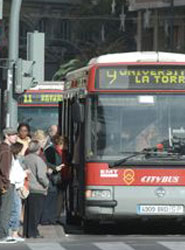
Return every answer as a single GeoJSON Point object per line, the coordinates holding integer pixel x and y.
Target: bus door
{"type": "Point", "coordinates": [73, 129]}
{"type": "Point", "coordinates": [60, 117]}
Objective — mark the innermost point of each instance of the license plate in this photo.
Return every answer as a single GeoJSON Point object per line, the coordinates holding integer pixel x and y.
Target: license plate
{"type": "Point", "coordinates": [160, 209]}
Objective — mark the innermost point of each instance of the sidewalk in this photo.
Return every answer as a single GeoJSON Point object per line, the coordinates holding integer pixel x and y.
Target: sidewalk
{"type": "Point", "coordinates": [50, 233]}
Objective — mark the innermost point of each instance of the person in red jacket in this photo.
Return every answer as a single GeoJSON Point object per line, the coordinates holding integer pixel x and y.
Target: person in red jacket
{"type": "Point", "coordinates": [56, 159]}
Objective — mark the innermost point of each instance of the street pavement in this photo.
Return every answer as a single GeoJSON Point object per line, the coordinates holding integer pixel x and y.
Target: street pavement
{"type": "Point", "coordinates": [102, 243]}
{"type": "Point", "coordinates": [56, 238]}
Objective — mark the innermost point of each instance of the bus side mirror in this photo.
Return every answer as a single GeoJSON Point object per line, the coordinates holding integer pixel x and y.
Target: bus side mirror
{"type": "Point", "coordinates": [78, 112]}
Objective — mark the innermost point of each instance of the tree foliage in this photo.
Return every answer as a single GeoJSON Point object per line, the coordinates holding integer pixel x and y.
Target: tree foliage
{"type": "Point", "coordinates": [98, 32]}
{"type": "Point", "coordinates": [65, 68]}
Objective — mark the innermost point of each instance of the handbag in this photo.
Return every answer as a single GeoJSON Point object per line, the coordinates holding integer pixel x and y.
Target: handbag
{"type": "Point", "coordinates": [56, 178]}
{"type": "Point", "coordinates": [66, 173]}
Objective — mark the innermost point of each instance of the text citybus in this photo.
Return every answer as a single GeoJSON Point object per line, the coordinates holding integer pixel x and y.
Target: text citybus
{"type": "Point", "coordinates": [123, 115]}
{"type": "Point", "coordinates": [39, 106]}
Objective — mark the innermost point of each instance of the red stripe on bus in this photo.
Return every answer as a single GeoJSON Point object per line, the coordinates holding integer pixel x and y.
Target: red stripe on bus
{"type": "Point", "coordinates": [99, 174]}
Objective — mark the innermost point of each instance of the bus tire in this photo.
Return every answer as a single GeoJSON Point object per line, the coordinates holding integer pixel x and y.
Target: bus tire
{"type": "Point", "coordinates": [90, 226]}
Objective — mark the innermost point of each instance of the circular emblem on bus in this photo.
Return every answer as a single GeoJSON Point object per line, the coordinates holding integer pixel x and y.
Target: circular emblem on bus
{"type": "Point", "coordinates": [160, 192]}
{"type": "Point", "coordinates": [129, 176]}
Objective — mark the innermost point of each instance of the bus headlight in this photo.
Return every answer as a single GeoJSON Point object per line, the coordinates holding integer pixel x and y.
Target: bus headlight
{"type": "Point", "coordinates": [98, 193]}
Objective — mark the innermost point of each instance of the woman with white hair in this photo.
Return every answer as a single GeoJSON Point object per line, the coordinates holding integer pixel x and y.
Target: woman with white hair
{"type": "Point", "coordinates": [38, 185]}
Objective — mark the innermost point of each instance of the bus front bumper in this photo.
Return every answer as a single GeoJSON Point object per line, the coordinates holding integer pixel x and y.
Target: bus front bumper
{"type": "Point", "coordinates": [99, 203]}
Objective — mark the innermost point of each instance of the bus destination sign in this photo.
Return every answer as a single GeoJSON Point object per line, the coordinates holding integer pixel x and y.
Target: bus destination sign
{"type": "Point", "coordinates": [141, 77]}
{"type": "Point", "coordinates": [40, 98]}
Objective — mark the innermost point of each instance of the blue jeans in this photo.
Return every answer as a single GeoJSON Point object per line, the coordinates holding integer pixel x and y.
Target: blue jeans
{"type": "Point", "coordinates": [5, 211]}
{"type": "Point", "coordinates": [14, 222]}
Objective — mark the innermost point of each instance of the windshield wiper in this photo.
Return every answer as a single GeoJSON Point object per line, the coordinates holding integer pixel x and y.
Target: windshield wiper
{"type": "Point", "coordinates": [132, 155]}
{"type": "Point", "coordinates": [148, 154]}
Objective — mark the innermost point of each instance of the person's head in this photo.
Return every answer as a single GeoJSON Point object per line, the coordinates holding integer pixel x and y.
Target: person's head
{"type": "Point", "coordinates": [60, 141]}
{"type": "Point", "coordinates": [10, 135]}
{"type": "Point", "coordinates": [40, 136]}
{"type": "Point", "coordinates": [23, 130]}
{"type": "Point", "coordinates": [53, 130]}
{"type": "Point", "coordinates": [16, 148]}
{"type": "Point", "coordinates": [34, 146]}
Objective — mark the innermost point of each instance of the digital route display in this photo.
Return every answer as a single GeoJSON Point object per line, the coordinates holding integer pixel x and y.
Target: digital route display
{"type": "Point", "coordinates": [44, 98]}
{"type": "Point", "coordinates": [141, 77]}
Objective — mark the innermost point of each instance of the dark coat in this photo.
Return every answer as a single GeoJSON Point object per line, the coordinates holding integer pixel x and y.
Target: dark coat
{"type": "Point", "coordinates": [53, 159]}
{"type": "Point", "coordinates": [5, 165]}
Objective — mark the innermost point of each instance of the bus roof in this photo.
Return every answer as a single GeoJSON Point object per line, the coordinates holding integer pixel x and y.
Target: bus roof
{"type": "Point", "coordinates": [129, 57]}
{"type": "Point", "coordinates": [139, 56]}
{"type": "Point", "coordinates": [49, 85]}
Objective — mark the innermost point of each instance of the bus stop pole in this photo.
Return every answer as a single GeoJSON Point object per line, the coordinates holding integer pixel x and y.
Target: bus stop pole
{"type": "Point", "coordinates": [13, 54]}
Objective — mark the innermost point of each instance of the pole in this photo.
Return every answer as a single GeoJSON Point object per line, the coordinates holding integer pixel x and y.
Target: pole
{"type": "Point", "coordinates": [12, 112]}
{"type": "Point", "coordinates": [139, 30]}
{"type": "Point", "coordinates": [156, 31]}
{"type": "Point", "coordinates": [171, 23]}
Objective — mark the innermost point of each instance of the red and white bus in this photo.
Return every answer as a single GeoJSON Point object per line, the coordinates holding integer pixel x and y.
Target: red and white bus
{"type": "Point", "coordinates": [124, 117]}
{"type": "Point", "coordinates": [39, 106]}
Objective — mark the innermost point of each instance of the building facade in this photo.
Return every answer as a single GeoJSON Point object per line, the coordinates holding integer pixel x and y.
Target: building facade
{"type": "Point", "coordinates": [160, 24]}
{"type": "Point", "coordinates": [146, 25]}
{"type": "Point", "coordinates": [54, 18]}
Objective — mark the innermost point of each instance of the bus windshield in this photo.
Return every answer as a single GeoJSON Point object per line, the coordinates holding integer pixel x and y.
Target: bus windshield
{"type": "Point", "coordinates": [38, 117]}
{"type": "Point", "coordinates": [121, 124]}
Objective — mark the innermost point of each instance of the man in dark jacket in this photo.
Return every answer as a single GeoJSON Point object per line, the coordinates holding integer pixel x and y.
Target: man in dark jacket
{"type": "Point", "coordinates": [6, 189]}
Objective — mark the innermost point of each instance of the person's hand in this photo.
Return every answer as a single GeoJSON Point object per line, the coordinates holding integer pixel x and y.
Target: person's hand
{"type": "Point", "coordinates": [3, 190]}
{"type": "Point", "coordinates": [27, 172]}
{"type": "Point", "coordinates": [58, 168]}
{"type": "Point", "coordinates": [50, 171]}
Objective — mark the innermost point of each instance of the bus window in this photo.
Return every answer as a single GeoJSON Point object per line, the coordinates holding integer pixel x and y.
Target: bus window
{"type": "Point", "coordinates": [38, 117]}
{"type": "Point", "coordinates": [112, 124]}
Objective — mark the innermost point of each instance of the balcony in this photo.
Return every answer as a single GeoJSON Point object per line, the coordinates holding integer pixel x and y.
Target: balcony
{"type": "Point", "coordinates": [71, 2]}
{"type": "Point", "coordinates": [135, 5]}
